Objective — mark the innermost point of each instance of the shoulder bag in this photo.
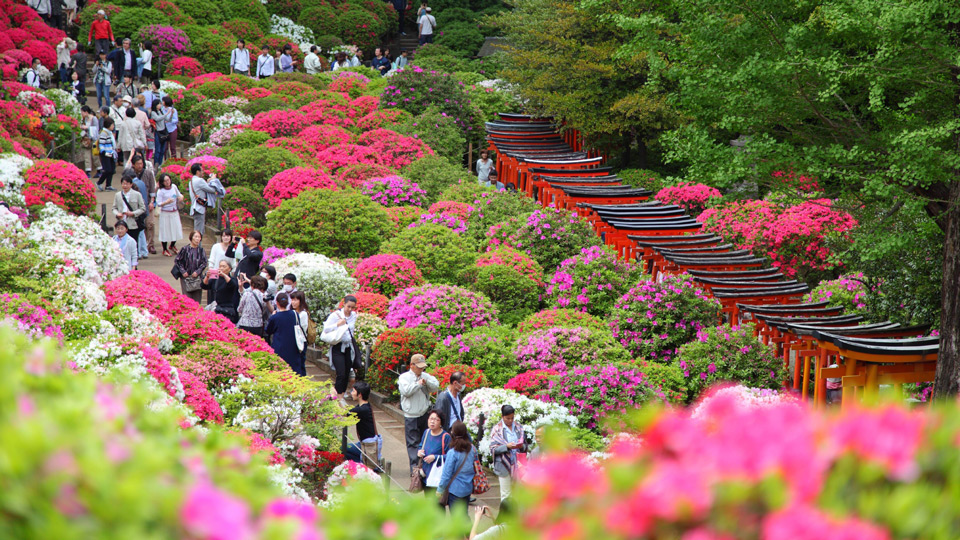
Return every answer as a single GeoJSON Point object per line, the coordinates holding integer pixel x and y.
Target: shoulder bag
{"type": "Point", "coordinates": [300, 334]}
{"type": "Point", "coordinates": [333, 337]}
{"type": "Point", "coordinates": [141, 219]}
{"type": "Point", "coordinates": [311, 331]}
{"type": "Point", "coordinates": [445, 498]}
{"type": "Point", "coordinates": [480, 483]}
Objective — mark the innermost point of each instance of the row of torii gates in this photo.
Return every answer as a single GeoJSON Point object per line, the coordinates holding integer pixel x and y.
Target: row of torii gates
{"type": "Point", "coordinates": [554, 168]}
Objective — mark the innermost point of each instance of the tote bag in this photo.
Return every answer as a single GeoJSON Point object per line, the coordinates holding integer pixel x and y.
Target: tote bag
{"type": "Point", "coordinates": [436, 473]}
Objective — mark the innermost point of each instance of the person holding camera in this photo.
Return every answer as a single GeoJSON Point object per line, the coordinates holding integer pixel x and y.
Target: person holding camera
{"type": "Point", "coordinates": [199, 191]}
{"type": "Point", "coordinates": [506, 441]}
{"type": "Point", "coordinates": [223, 289]}
{"type": "Point", "coordinates": [254, 309]}
{"type": "Point", "coordinates": [500, 526]}
{"type": "Point", "coordinates": [248, 254]}
{"type": "Point", "coordinates": [218, 252]}
{"type": "Point", "coordinates": [415, 386]}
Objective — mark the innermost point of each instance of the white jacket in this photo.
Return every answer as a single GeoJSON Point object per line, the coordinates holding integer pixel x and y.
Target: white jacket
{"type": "Point", "coordinates": [415, 399]}
{"type": "Point", "coordinates": [131, 135]}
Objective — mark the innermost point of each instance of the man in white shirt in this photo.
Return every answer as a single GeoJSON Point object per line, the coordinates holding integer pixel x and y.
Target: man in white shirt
{"type": "Point", "coordinates": [312, 62]}
{"type": "Point", "coordinates": [33, 74]}
{"type": "Point", "coordinates": [415, 386]}
{"type": "Point", "coordinates": [265, 67]}
{"type": "Point", "coordinates": [427, 25]}
{"type": "Point", "coordinates": [240, 59]}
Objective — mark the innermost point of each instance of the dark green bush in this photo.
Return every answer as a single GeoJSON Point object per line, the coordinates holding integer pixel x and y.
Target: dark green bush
{"type": "Point", "coordinates": [285, 8]}
{"type": "Point", "coordinates": [126, 23]}
{"type": "Point", "coordinates": [322, 20]}
{"type": "Point", "coordinates": [211, 46]}
{"type": "Point", "coordinates": [202, 11]}
{"type": "Point", "coordinates": [328, 42]}
{"type": "Point", "coordinates": [452, 16]}
{"type": "Point", "coordinates": [248, 138]}
{"type": "Point", "coordinates": [302, 78]}
{"type": "Point", "coordinates": [219, 89]}
{"type": "Point", "coordinates": [359, 27]}
{"type": "Point", "coordinates": [463, 37]}
{"type": "Point", "coordinates": [244, 197]}
{"type": "Point", "coordinates": [334, 223]}
{"type": "Point", "coordinates": [268, 103]}
{"type": "Point", "coordinates": [252, 10]}
{"type": "Point", "coordinates": [515, 296]}
{"type": "Point", "coordinates": [439, 132]}
{"type": "Point", "coordinates": [203, 111]}
{"type": "Point", "coordinates": [489, 348]}
{"type": "Point", "coordinates": [440, 254]}
{"type": "Point", "coordinates": [642, 178]}
{"type": "Point", "coordinates": [244, 29]}
{"type": "Point", "coordinates": [495, 207]}
{"type": "Point", "coordinates": [253, 167]}
{"type": "Point", "coordinates": [435, 174]}
{"type": "Point", "coordinates": [464, 191]}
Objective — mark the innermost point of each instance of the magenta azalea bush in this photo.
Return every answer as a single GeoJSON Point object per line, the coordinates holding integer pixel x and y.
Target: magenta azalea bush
{"type": "Point", "coordinates": [594, 393]}
{"type": "Point", "coordinates": [655, 318]}
{"type": "Point", "coordinates": [561, 348]}
{"type": "Point", "coordinates": [694, 198]}
{"type": "Point", "coordinates": [387, 274]}
{"type": "Point", "coordinates": [444, 310]}
{"type": "Point", "coordinates": [168, 42]}
{"type": "Point", "coordinates": [394, 191]}
{"type": "Point", "coordinates": [453, 223]}
{"type": "Point", "coordinates": [273, 254]}
{"type": "Point", "coordinates": [592, 281]}
{"type": "Point", "coordinates": [549, 235]}
{"type": "Point", "coordinates": [27, 318]}
{"type": "Point", "coordinates": [289, 183]}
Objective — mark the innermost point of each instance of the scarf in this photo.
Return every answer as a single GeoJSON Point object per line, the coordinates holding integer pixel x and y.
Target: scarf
{"type": "Point", "coordinates": [508, 458]}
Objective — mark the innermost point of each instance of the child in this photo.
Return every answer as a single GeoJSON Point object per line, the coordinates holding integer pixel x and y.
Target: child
{"type": "Point", "coordinates": [484, 166]}
{"type": "Point", "coordinates": [77, 88]}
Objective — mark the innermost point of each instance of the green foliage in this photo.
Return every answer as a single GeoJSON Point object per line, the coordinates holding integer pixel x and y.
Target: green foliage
{"type": "Point", "coordinates": [463, 37]}
{"type": "Point", "coordinates": [439, 132]}
{"type": "Point", "coordinates": [668, 378]}
{"type": "Point", "coordinates": [334, 223]}
{"type": "Point", "coordinates": [321, 19]}
{"type": "Point", "coordinates": [328, 42]}
{"type": "Point", "coordinates": [489, 348]}
{"type": "Point", "coordinates": [515, 295]}
{"type": "Point", "coordinates": [269, 103]}
{"type": "Point", "coordinates": [252, 10]}
{"type": "Point", "coordinates": [203, 12]}
{"type": "Point", "coordinates": [204, 111]}
{"type": "Point", "coordinates": [248, 138]}
{"type": "Point", "coordinates": [495, 207]}
{"type": "Point", "coordinates": [442, 63]}
{"type": "Point", "coordinates": [490, 101]}
{"type": "Point", "coordinates": [464, 191]}
{"type": "Point", "coordinates": [312, 81]}
{"type": "Point", "coordinates": [359, 27]}
{"type": "Point", "coordinates": [219, 90]}
{"type": "Point", "coordinates": [253, 167]}
{"type": "Point", "coordinates": [244, 197]}
{"type": "Point", "coordinates": [434, 174]}
{"type": "Point", "coordinates": [211, 46]}
{"type": "Point", "coordinates": [642, 178]}
{"type": "Point", "coordinates": [440, 253]}
{"type": "Point", "coordinates": [731, 354]}
{"type": "Point", "coordinates": [126, 23]}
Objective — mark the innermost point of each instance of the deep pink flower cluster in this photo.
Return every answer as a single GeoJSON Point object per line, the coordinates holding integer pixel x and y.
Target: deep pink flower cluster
{"type": "Point", "coordinates": [394, 191]}
{"type": "Point", "coordinates": [59, 182]}
{"type": "Point", "coordinates": [210, 164]}
{"type": "Point", "coordinates": [443, 309]}
{"type": "Point", "coordinates": [289, 183]}
{"type": "Point", "coordinates": [336, 157]}
{"type": "Point", "coordinates": [186, 66]}
{"type": "Point", "coordinates": [200, 325]}
{"type": "Point", "coordinates": [273, 254]}
{"type": "Point", "coordinates": [280, 123]}
{"type": "Point", "coordinates": [145, 290]}
{"type": "Point", "coordinates": [256, 93]}
{"type": "Point", "coordinates": [365, 105]}
{"type": "Point", "coordinates": [453, 208]}
{"type": "Point", "coordinates": [259, 443]}
{"type": "Point", "coordinates": [199, 398]}
{"type": "Point", "coordinates": [548, 235]}
{"type": "Point", "coordinates": [532, 383]}
{"type": "Point", "coordinates": [593, 393]}
{"type": "Point", "coordinates": [387, 274]}
{"type": "Point", "coordinates": [394, 150]}
{"type": "Point", "coordinates": [379, 118]}
{"type": "Point", "coordinates": [320, 137]}
{"type": "Point", "coordinates": [168, 42]}
{"type": "Point", "coordinates": [453, 223]}
{"type": "Point", "coordinates": [693, 198]}
{"type": "Point", "coordinates": [801, 183]}
{"type": "Point", "coordinates": [560, 348]}
{"type": "Point", "coordinates": [160, 370]}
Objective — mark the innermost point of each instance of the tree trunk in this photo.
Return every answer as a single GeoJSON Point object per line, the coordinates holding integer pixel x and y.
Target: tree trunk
{"type": "Point", "coordinates": [642, 152]}
{"type": "Point", "coordinates": [947, 383]}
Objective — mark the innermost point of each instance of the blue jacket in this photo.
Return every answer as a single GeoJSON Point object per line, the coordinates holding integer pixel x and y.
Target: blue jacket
{"type": "Point", "coordinates": [462, 485]}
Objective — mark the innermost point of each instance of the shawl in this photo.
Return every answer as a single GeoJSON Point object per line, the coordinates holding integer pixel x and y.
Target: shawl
{"type": "Point", "coordinates": [509, 458]}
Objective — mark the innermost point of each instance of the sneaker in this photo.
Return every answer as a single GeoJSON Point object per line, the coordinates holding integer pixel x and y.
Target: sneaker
{"type": "Point", "coordinates": [109, 188]}
{"type": "Point", "coordinates": [403, 33]}
{"type": "Point", "coordinates": [99, 187]}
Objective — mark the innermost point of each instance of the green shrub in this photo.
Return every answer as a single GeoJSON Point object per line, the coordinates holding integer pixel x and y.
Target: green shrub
{"type": "Point", "coordinates": [490, 101]}
{"type": "Point", "coordinates": [515, 295]}
{"type": "Point", "coordinates": [359, 27]}
{"type": "Point", "coordinates": [252, 10]}
{"type": "Point", "coordinates": [489, 348]}
{"type": "Point", "coordinates": [244, 29]}
{"type": "Point", "coordinates": [439, 132]}
{"type": "Point", "coordinates": [211, 46]}
{"type": "Point", "coordinates": [392, 353]}
{"type": "Point", "coordinates": [204, 111]}
{"type": "Point", "coordinates": [668, 378]}
{"type": "Point", "coordinates": [442, 63]}
{"type": "Point", "coordinates": [248, 138]}
{"type": "Point", "coordinates": [725, 353]}
{"type": "Point", "coordinates": [464, 191]}
{"type": "Point", "coordinates": [242, 81]}
{"type": "Point", "coordinates": [292, 88]}
{"type": "Point", "coordinates": [244, 197]}
{"type": "Point", "coordinates": [284, 8]}
{"type": "Point", "coordinates": [333, 223]}
{"type": "Point", "coordinates": [642, 178]}
{"type": "Point", "coordinates": [435, 174]}
{"type": "Point", "coordinates": [253, 167]}
{"type": "Point", "coordinates": [219, 89]}
{"type": "Point", "coordinates": [415, 91]}
{"type": "Point", "coordinates": [469, 78]}
{"type": "Point", "coordinates": [202, 11]}
{"type": "Point", "coordinates": [322, 20]}
{"type": "Point", "coordinates": [592, 281]}
{"type": "Point", "coordinates": [126, 23]}
{"type": "Point", "coordinates": [493, 207]}
{"type": "Point", "coordinates": [454, 15]}
{"type": "Point", "coordinates": [440, 253]}
{"type": "Point", "coordinates": [463, 37]}
{"type": "Point", "coordinates": [328, 42]}
{"type": "Point", "coordinates": [311, 81]}
{"type": "Point", "coordinates": [560, 318]}
{"type": "Point", "coordinates": [269, 103]}
{"type": "Point", "coordinates": [549, 235]}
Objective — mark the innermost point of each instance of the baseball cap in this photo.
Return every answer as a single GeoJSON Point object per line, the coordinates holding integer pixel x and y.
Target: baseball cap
{"type": "Point", "coordinates": [429, 10]}
{"type": "Point", "coordinates": [127, 99]}
{"type": "Point", "coordinates": [419, 360]}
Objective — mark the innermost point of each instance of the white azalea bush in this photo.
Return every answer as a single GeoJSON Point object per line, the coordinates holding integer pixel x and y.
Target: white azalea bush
{"type": "Point", "coordinates": [344, 477]}
{"type": "Point", "coordinates": [75, 245]}
{"type": "Point", "coordinates": [65, 103]}
{"type": "Point", "coordinates": [11, 178]}
{"type": "Point", "coordinates": [299, 34]}
{"type": "Point", "coordinates": [171, 87]}
{"type": "Point", "coordinates": [230, 119]}
{"type": "Point", "coordinates": [531, 413]}
{"type": "Point", "coordinates": [71, 293]}
{"type": "Point", "coordinates": [322, 280]}
{"type": "Point", "coordinates": [369, 328]}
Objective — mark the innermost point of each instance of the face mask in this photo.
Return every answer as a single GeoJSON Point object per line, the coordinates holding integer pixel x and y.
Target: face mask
{"type": "Point", "coordinates": [265, 275]}
{"type": "Point", "coordinates": [287, 288]}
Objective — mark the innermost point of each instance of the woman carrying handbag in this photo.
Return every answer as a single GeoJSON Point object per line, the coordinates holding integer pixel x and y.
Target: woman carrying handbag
{"type": "Point", "coordinates": [338, 332]}
{"type": "Point", "coordinates": [433, 447]}
{"type": "Point", "coordinates": [456, 483]}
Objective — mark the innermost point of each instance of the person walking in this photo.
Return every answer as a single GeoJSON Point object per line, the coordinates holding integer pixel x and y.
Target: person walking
{"type": "Point", "coordinates": [312, 62]}
{"type": "Point", "coordinates": [32, 77]}
{"type": "Point", "coordinates": [128, 205]}
{"type": "Point", "coordinates": [127, 90]}
{"type": "Point", "coordinates": [286, 59]}
{"type": "Point", "coordinates": [131, 135]}
{"type": "Point", "coordinates": [107, 144]}
{"type": "Point", "coordinates": [223, 288]}
{"type": "Point", "coordinates": [484, 166]}
{"type": "Point", "coordinates": [400, 6]}
{"type": "Point", "coordinates": [433, 445]}
{"type": "Point", "coordinates": [102, 73]}
{"type": "Point", "coordinates": [101, 30]}
{"type": "Point", "coordinates": [240, 59]}
{"type": "Point", "coordinates": [168, 198]}
{"type": "Point", "coordinates": [342, 324]}
{"type": "Point", "coordinates": [456, 483]}
{"type": "Point", "coordinates": [128, 246]}
{"type": "Point", "coordinates": [450, 401]}
{"type": "Point", "coordinates": [427, 24]}
{"type": "Point", "coordinates": [172, 120]}
{"type": "Point", "coordinates": [282, 327]}
{"type": "Point", "coordinates": [253, 307]}
{"type": "Point", "coordinates": [77, 89]}
{"type": "Point", "coordinates": [298, 304]}
{"type": "Point", "coordinates": [145, 62]}
{"type": "Point", "coordinates": [265, 67]}
{"type": "Point", "coordinates": [146, 176]}
{"type": "Point", "coordinates": [415, 387]}
{"type": "Point", "coordinates": [506, 441]}
{"type": "Point", "coordinates": [91, 132]}
{"type": "Point", "coordinates": [191, 261]}
{"type": "Point", "coordinates": [199, 191]}
{"type": "Point", "coordinates": [63, 59]}
{"type": "Point", "coordinates": [160, 134]}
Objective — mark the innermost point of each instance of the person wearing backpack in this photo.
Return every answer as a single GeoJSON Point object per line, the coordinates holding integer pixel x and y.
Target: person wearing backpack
{"type": "Point", "coordinates": [32, 76]}
{"type": "Point", "coordinates": [456, 483]}
{"type": "Point", "coordinates": [253, 309]}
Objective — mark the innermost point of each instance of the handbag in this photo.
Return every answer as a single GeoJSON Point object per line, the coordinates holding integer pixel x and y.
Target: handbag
{"type": "Point", "coordinates": [300, 335]}
{"type": "Point", "coordinates": [229, 312]}
{"type": "Point", "coordinates": [480, 483]}
{"type": "Point", "coordinates": [436, 473]}
{"type": "Point", "coordinates": [333, 337]}
{"type": "Point", "coordinates": [445, 498]}
{"type": "Point", "coordinates": [141, 219]}
{"type": "Point", "coordinates": [311, 331]}
{"type": "Point", "coordinates": [191, 284]}
{"type": "Point", "coordinates": [416, 478]}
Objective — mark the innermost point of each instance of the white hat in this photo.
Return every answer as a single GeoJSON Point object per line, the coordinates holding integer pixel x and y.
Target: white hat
{"type": "Point", "coordinates": [128, 99]}
{"type": "Point", "coordinates": [101, 12]}
{"type": "Point", "coordinates": [429, 10]}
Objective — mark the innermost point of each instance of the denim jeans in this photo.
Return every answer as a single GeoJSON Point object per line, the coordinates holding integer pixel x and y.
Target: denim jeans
{"type": "Point", "coordinates": [103, 94]}
{"type": "Point", "coordinates": [352, 453]}
{"type": "Point", "coordinates": [159, 148]}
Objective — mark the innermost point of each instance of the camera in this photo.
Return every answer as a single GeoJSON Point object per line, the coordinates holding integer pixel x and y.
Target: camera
{"type": "Point", "coordinates": [268, 297]}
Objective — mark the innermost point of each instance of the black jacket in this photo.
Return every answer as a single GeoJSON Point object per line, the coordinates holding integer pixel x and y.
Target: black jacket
{"type": "Point", "coordinates": [447, 411]}
{"type": "Point", "coordinates": [118, 59]}
{"type": "Point", "coordinates": [250, 263]}
{"type": "Point", "coordinates": [224, 292]}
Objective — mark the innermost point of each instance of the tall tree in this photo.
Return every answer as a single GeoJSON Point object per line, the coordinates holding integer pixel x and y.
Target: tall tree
{"type": "Point", "coordinates": [862, 94]}
{"type": "Point", "coordinates": [566, 63]}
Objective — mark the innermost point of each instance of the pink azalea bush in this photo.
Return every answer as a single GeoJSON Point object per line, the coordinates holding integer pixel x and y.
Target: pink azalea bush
{"type": "Point", "coordinates": [560, 348]}
{"type": "Point", "coordinates": [337, 157]}
{"type": "Point", "coordinates": [849, 291]}
{"type": "Point", "coordinates": [452, 208]}
{"type": "Point", "coordinates": [394, 150]}
{"type": "Point", "coordinates": [147, 291]}
{"type": "Point", "coordinates": [592, 281]}
{"type": "Point", "coordinates": [358, 173]}
{"type": "Point", "coordinates": [280, 123]}
{"type": "Point", "coordinates": [321, 137]}
{"type": "Point", "coordinates": [532, 383]}
{"type": "Point", "coordinates": [186, 66]}
{"type": "Point", "coordinates": [394, 191]}
{"type": "Point", "coordinates": [594, 393]}
{"type": "Point", "coordinates": [59, 182]}
{"type": "Point", "coordinates": [444, 310]}
{"type": "Point", "coordinates": [564, 318]}
{"type": "Point", "coordinates": [387, 274]}
{"type": "Point", "coordinates": [199, 398]}
{"type": "Point", "coordinates": [289, 183]}
{"type": "Point", "coordinates": [28, 318]}
{"type": "Point", "coordinates": [548, 235]}
{"type": "Point", "coordinates": [693, 198]}
{"type": "Point", "coordinates": [521, 262]}
{"type": "Point", "coordinates": [453, 223]}
{"type": "Point", "coordinates": [273, 253]}
{"type": "Point", "coordinates": [653, 319]}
